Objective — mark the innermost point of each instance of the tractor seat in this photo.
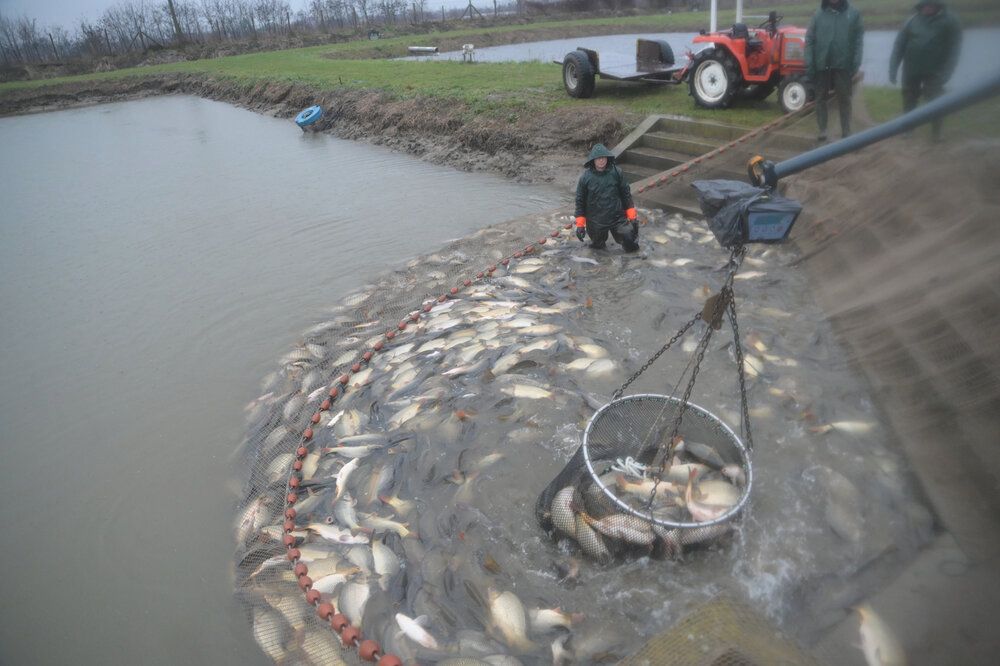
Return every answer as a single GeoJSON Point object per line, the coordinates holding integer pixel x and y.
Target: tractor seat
{"type": "Point", "coordinates": [740, 31]}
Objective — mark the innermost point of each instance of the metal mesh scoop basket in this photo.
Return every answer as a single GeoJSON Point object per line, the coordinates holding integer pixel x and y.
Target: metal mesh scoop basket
{"type": "Point", "coordinates": [607, 497]}
{"type": "Point", "coordinates": [655, 473]}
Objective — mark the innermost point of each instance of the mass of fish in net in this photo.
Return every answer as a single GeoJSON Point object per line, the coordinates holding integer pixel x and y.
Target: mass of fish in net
{"type": "Point", "coordinates": [697, 486]}
{"type": "Point", "coordinates": [395, 514]}
{"type": "Point", "coordinates": [357, 525]}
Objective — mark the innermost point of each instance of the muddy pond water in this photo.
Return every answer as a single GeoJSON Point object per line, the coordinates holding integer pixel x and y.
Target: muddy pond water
{"type": "Point", "coordinates": [980, 49]}
{"type": "Point", "coordinates": [156, 258]}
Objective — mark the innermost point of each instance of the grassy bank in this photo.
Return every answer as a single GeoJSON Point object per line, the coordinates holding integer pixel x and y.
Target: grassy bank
{"type": "Point", "coordinates": [509, 90]}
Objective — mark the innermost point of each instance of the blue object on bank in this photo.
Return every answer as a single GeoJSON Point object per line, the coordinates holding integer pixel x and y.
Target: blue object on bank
{"type": "Point", "coordinates": [308, 116]}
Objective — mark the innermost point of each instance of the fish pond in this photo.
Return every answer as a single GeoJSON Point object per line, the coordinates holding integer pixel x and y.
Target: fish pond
{"type": "Point", "coordinates": [184, 282]}
{"type": "Point", "coordinates": [156, 257]}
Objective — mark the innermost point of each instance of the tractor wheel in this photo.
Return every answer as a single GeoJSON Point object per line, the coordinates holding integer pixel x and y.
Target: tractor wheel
{"type": "Point", "coordinates": [714, 79]}
{"type": "Point", "coordinates": [793, 93]}
{"type": "Point", "coordinates": [578, 75]}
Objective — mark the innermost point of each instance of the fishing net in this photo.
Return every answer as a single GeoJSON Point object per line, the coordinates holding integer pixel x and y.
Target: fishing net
{"type": "Point", "coordinates": [284, 571]}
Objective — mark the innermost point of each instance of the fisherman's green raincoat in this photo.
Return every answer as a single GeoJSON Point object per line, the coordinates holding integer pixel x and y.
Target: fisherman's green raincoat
{"type": "Point", "coordinates": [927, 46]}
{"type": "Point", "coordinates": [834, 39]}
{"type": "Point", "coordinates": [602, 196]}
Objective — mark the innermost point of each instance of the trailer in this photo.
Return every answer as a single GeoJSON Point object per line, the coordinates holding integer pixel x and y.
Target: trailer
{"type": "Point", "coordinates": [654, 63]}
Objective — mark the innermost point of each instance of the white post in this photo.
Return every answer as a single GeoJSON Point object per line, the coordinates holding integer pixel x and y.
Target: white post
{"type": "Point", "coordinates": [739, 11]}
{"type": "Point", "coordinates": [713, 16]}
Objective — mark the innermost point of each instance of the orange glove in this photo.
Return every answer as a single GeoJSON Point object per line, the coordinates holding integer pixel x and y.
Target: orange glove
{"type": "Point", "coordinates": [630, 214]}
{"type": "Point", "coordinates": [581, 221]}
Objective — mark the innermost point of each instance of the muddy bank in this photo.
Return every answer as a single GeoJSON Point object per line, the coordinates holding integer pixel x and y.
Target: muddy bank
{"type": "Point", "coordinates": [538, 147]}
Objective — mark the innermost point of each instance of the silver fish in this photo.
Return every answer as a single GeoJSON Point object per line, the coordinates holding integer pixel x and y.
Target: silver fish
{"type": "Point", "coordinates": [322, 647]}
{"type": "Point", "coordinates": [703, 452]}
{"type": "Point", "coordinates": [562, 513]}
{"type": "Point", "coordinates": [623, 527]}
{"type": "Point", "coordinates": [378, 523]}
{"type": "Point", "coordinates": [415, 631]}
{"type": "Point", "coordinates": [253, 517]}
{"type": "Point", "coordinates": [271, 632]}
{"type": "Point", "coordinates": [386, 562]}
{"type": "Point", "coordinates": [547, 619]}
{"type": "Point", "coordinates": [336, 534]}
{"type": "Point", "coordinates": [352, 600]}
{"type": "Point", "coordinates": [508, 617]}
{"type": "Point", "coordinates": [343, 511]}
{"type": "Point", "coordinates": [878, 642]}
{"type": "Point", "coordinates": [330, 583]}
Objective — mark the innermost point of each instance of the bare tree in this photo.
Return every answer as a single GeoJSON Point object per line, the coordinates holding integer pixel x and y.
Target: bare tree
{"type": "Point", "coordinates": [10, 43]}
{"type": "Point", "coordinates": [178, 33]}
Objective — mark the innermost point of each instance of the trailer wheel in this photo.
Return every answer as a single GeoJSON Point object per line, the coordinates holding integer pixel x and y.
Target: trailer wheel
{"type": "Point", "coordinates": [666, 53]}
{"type": "Point", "coordinates": [713, 79]}
{"type": "Point", "coordinates": [578, 75]}
{"type": "Point", "coordinates": [793, 93]}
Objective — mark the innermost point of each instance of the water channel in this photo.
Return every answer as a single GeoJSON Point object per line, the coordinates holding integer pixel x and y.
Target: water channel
{"type": "Point", "coordinates": [979, 51]}
{"type": "Point", "coordinates": [156, 258]}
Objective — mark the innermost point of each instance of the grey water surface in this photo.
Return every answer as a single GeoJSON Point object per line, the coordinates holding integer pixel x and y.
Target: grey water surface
{"type": "Point", "coordinates": [156, 257]}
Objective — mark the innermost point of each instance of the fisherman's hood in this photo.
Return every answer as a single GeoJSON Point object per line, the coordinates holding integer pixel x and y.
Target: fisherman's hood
{"type": "Point", "coordinates": [598, 151]}
{"type": "Point", "coordinates": [921, 3]}
{"type": "Point", "coordinates": [842, 7]}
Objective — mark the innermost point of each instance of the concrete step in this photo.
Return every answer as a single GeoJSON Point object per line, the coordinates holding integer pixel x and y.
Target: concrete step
{"type": "Point", "coordinates": [661, 160]}
{"type": "Point", "coordinates": [671, 199]}
{"type": "Point", "coordinates": [680, 143]}
{"type": "Point", "coordinates": [636, 172]}
{"type": "Point", "coordinates": [700, 128]}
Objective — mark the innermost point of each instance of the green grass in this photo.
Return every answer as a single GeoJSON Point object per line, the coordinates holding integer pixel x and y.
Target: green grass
{"type": "Point", "coordinates": [506, 88]}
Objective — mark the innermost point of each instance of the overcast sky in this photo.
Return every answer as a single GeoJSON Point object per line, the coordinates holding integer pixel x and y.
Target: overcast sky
{"type": "Point", "coordinates": [68, 12]}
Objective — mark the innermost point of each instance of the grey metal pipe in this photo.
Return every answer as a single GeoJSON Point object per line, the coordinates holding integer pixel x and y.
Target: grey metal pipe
{"type": "Point", "coordinates": [940, 107]}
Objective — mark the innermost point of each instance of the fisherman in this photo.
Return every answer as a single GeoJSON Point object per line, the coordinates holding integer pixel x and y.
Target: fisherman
{"type": "Point", "coordinates": [604, 203]}
{"type": "Point", "coordinates": [833, 58]}
{"type": "Point", "coordinates": [928, 47]}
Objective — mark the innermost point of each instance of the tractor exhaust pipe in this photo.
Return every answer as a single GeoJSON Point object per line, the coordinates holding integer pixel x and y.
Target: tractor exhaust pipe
{"type": "Point", "coordinates": [769, 173]}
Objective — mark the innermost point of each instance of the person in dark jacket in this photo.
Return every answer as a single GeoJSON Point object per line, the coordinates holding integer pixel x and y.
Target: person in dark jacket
{"type": "Point", "coordinates": [833, 56]}
{"type": "Point", "coordinates": [927, 46]}
{"type": "Point", "coordinates": [604, 203]}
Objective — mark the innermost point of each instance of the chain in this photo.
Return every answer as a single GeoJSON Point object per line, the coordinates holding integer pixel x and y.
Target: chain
{"type": "Point", "coordinates": [677, 336]}
{"type": "Point", "coordinates": [744, 403]}
{"type": "Point", "coordinates": [725, 295]}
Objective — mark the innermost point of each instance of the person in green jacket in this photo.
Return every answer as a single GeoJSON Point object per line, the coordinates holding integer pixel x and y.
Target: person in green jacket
{"type": "Point", "coordinates": [833, 56]}
{"type": "Point", "coordinates": [604, 203]}
{"type": "Point", "coordinates": [927, 46]}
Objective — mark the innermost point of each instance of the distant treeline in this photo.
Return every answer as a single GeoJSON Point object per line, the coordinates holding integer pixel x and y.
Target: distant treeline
{"type": "Point", "coordinates": [137, 27]}
{"type": "Point", "coordinates": [127, 32]}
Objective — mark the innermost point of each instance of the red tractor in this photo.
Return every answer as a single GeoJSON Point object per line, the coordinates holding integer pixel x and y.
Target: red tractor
{"type": "Point", "coordinates": [749, 63]}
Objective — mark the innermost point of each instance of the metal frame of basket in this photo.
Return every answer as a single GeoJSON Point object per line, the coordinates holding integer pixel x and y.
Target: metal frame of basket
{"type": "Point", "coordinates": [741, 449]}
